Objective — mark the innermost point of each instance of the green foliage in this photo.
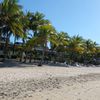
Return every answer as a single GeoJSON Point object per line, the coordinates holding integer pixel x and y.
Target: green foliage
{"type": "Point", "coordinates": [14, 21]}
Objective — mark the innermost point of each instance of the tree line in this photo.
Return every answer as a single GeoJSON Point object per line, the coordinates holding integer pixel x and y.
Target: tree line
{"type": "Point", "coordinates": [14, 21]}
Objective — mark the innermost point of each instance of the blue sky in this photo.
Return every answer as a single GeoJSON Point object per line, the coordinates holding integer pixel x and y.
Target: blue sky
{"type": "Point", "coordinates": [72, 16]}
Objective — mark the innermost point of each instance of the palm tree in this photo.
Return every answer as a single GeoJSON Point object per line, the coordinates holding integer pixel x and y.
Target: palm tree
{"type": "Point", "coordinates": [62, 40]}
{"type": "Point", "coordinates": [90, 49]}
{"type": "Point", "coordinates": [97, 54]}
{"type": "Point", "coordinates": [60, 44]}
{"type": "Point", "coordinates": [39, 26]}
{"type": "Point", "coordinates": [26, 27]}
{"type": "Point", "coordinates": [75, 48]}
{"type": "Point", "coordinates": [9, 17]}
{"type": "Point", "coordinates": [36, 20]}
{"type": "Point", "coordinates": [45, 34]}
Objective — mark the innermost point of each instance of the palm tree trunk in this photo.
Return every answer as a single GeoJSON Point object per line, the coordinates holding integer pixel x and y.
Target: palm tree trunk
{"type": "Point", "coordinates": [6, 45]}
{"type": "Point", "coordinates": [21, 52]}
{"type": "Point", "coordinates": [14, 45]}
{"type": "Point", "coordinates": [20, 58]}
{"type": "Point", "coordinates": [43, 55]}
{"type": "Point", "coordinates": [44, 49]}
{"type": "Point", "coordinates": [30, 60]}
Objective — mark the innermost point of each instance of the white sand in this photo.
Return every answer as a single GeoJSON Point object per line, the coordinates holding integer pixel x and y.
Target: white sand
{"type": "Point", "coordinates": [86, 91]}
{"type": "Point", "coordinates": [50, 83]}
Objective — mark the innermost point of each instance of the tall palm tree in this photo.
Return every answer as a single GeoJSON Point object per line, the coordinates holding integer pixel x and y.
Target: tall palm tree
{"type": "Point", "coordinates": [26, 22]}
{"type": "Point", "coordinates": [45, 35]}
{"type": "Point", "coordinates": [37, 24]}
{"type": "Point", "coordinates": [9, 17]}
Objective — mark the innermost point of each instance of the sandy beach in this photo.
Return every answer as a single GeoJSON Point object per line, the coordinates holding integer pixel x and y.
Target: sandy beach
{"type": "Point", "coordinates": [50, 83]}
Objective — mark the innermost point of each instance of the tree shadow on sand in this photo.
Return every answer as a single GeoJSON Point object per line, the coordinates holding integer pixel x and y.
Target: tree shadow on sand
{"type": "Point", "coordinates": [13, 63]}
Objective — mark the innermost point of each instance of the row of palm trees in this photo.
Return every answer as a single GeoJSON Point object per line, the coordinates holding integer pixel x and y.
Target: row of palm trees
{"type": "Point", "coordinates": [13, 21]}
